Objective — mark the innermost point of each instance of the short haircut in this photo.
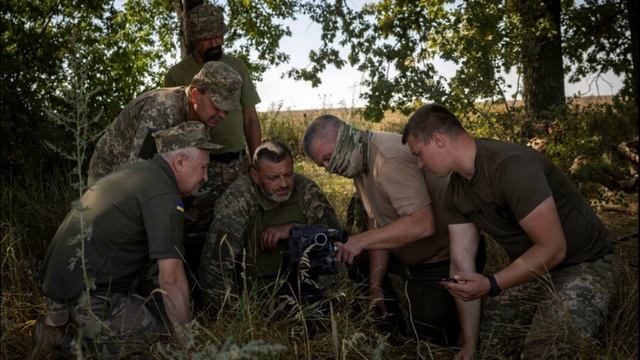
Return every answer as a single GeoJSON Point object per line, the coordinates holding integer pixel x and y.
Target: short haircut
{"type": "Point", "coordinates": [429, 119]}
{"type": "Point", "coordinates": [271, 150]}
{"type": "Point", "coordinates": [189, 153]}
{"type": "Point", "coordinates": [319, 128]}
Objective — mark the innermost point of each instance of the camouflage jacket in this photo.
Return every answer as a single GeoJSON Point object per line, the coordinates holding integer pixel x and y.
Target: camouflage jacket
{"type": "Point", "coordinates": [233, 215]}
{"type": "Point", "coordinates": [120, 145]}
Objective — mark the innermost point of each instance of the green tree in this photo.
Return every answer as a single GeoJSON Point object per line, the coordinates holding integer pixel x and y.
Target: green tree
{"type": "Point", "coordinates": [127, 49]}
{"type": "Point", "coordinates": [395, 42]}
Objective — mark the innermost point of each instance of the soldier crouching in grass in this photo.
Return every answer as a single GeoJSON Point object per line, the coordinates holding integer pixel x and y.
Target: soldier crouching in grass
{"type": "Point", "coordinates": [252, 220]}
{"type": "Point", "coordinates": [131, 218]}
{"type": "Point", "coordinates": [562, 271]}
{"type": "Point", "coordinates": [407, 235]}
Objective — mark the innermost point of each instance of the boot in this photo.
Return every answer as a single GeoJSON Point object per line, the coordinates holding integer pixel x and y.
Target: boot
{"type": "Point", "coordinates": [46, 340]}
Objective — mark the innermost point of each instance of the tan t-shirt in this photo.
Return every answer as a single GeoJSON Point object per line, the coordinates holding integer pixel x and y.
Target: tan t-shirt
{"type": "Point", "coordinates": [394, 187]}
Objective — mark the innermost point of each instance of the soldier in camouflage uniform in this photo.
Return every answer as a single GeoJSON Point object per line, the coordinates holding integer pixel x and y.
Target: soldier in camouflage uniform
{"type": "Point", "coordinates": [211, 95]}
{"type": "Point", "coordinates": [562, 271]}
{"type": "Point", "coordinates": [205, 34]}
{"type": "Point", "coordinates": [126, 220]}
{"type": "Point", "coordinates": [254, 216]}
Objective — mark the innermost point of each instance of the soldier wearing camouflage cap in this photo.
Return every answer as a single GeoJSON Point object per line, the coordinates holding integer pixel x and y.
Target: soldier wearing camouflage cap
{"type": "Point", "coordinates": [211, 95]}
{"type": "Point", "coordinates": [131, 216]}
{"type": "Point", "coordinates": [254, 216]}
{"type": "Point", "coordinates": [205, 32]}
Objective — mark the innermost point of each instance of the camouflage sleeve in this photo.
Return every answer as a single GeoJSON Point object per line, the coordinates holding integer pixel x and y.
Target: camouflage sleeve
{"type": "Point", "coordinates": [232, 215]}
{"type": "Point", "coordinates": [156, 110]}
{"type": "Point", "coordinates": [317, 209]}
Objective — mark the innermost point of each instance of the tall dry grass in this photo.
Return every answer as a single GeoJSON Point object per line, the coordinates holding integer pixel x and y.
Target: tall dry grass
{"type": "Point", "coordinates": [251, 327]}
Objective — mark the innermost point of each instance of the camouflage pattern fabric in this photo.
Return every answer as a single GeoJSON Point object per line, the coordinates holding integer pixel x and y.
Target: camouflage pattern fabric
{"type": "Point", "coordinates": [543, 318]}
{"type": "Point", "coordinates": [220, 176]}
{"type": "Point", "coordinates": [108, 317]}
{"type": "Point", "coordinates": [206, 21]}
{"type": "Point", "coordinates": [123, 138]}
{"type": "Point", "coordinates": [350, 155]}
{"type": "Point", "coordinates": [157, 110]}
{"type": "Point", "coordinates": [233, 214]}
{"type": "Point", "coordinates": [224, 84]}
{"type": "Point", "coordinates": [187, 134]}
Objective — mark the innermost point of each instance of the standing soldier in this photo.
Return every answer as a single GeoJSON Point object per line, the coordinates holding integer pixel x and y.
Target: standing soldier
{"type": "Point", "coordinates": [205, 33]}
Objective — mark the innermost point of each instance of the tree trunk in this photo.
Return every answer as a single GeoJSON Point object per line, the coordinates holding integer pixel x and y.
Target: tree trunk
{"type": "Point", "coordinates": [182, 10]}
{"type": "Point", "coordinates": [543, 74]}
{"type": "Point", "coordinates": [633, 12]}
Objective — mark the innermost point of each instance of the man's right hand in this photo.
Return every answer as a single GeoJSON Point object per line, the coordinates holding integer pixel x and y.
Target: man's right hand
{"type": "Point", "coordinates": [271, 235]}
{"type": "Point", "coordinates": [346, 252]}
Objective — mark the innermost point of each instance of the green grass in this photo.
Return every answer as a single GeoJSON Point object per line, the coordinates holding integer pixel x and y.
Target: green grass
{"type": "Point", "coordinates": [32, 210]}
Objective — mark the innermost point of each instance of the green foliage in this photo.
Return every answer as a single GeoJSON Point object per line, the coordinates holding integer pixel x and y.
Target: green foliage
{"type": "Point", "coordinates": [125, 52]}
{"type": "Point", "coordinates": [395, 43]}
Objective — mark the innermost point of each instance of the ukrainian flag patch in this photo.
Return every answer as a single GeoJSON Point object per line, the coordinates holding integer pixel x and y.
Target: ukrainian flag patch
{"type": "Point", "coordinates": [180, 206]}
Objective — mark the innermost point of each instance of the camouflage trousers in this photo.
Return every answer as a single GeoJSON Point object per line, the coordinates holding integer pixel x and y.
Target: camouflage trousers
{"type": "Point", "coordinates": [549, 317]}
{"type": "Point", "coordinates": [200, 209]}
{"type": "Point", "coordinates": [112, 319]}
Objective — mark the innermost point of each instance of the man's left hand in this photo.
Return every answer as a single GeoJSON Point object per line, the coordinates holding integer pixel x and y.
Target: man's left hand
{"type": "Point", "coordinates": [470, 286]}
{"type": "Point", "coordinates": [271, 235]}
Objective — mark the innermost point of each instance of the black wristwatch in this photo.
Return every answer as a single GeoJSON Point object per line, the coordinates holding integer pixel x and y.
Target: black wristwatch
{"type": "Point", "coordinates": [494, 290]}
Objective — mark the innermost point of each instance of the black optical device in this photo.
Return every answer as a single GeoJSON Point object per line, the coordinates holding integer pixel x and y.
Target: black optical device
{"type": "Point", "coordinates": [313, 247]}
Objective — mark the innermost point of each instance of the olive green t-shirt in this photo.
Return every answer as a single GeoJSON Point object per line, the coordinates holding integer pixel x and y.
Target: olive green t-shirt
{"type": "Point", "coordinates": [229, 134]}
{"type": "Point", "coordinates": [134, 215]}
{"type": "Point", "coordinates": [510, 181]}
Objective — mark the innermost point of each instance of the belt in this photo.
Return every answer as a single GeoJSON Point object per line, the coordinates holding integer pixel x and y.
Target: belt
{"type": "Point", "coordinates": [226, 157]}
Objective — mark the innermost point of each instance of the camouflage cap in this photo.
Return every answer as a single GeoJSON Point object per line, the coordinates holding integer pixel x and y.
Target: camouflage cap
{"type": "Point", "coordinates": [206, 21]}
{"type": "Point", "coordinates": [222, 82]}
{"type": "Point", "coordinates": [184, 135]}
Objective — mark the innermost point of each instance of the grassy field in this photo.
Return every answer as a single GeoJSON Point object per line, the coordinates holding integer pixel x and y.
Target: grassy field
{"type": "Point", "coordinates": [253, 328]}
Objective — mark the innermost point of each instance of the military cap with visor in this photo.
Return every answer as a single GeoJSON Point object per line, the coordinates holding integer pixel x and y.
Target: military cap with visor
{"type": "Point", "coordinates": [223, 83]}
{"type": "Point", "coordinates": [185, 135]}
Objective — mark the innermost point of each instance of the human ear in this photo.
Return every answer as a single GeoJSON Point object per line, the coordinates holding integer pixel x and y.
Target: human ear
{"type": "Point", "coordinates": [254, 174]}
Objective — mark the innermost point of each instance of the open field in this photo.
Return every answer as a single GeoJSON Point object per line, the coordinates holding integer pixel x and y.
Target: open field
{"type": "Point", "coordinates": [32, 210]}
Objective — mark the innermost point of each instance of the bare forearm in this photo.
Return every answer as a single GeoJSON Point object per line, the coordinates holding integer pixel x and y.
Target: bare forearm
{"type": "Point", "coordinates": [252, 130]}
{"type": "Point", "coordinates": [399, 233]}
{"type": "Point", "coordinates": [176, 301]}
{"type": "Point", "coordinates": [548, 248]}
{"type": "Point", "coordinates": [378, 261]}
{"type": "Point", "coordinates": [535, 262]}
{"type": "Point", "coordinates": [175, 295]}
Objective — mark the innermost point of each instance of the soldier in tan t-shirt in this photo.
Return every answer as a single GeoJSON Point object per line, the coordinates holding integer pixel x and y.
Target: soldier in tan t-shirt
{"type": "Point", "coordinates": [404, 207]}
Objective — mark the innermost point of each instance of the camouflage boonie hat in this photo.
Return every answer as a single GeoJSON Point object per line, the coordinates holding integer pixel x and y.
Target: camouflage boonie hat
{"type": "Point", "coordinates": [223, 83]}
{"type": "Point", "coordinates": [187, 134]}
{"type": "Point", "coordinates": [206, 21]}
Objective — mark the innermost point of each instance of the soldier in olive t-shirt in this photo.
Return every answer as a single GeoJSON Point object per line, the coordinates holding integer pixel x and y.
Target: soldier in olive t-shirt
{"type": "Point", "coordinates": [96, 263]}
{"type": "Point", "coordinates": [562, 270]}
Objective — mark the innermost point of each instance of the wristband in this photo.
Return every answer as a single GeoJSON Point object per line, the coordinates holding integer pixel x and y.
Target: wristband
{"type": "Point", "coordinates": [494, 290]}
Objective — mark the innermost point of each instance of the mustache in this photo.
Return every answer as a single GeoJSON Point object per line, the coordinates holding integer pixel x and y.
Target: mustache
{"type": "Point", "coordinates": [213, 53]}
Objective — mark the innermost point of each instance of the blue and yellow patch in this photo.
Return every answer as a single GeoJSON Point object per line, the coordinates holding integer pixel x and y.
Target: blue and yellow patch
{"type": "Point", "coordinates": [180, 206]}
